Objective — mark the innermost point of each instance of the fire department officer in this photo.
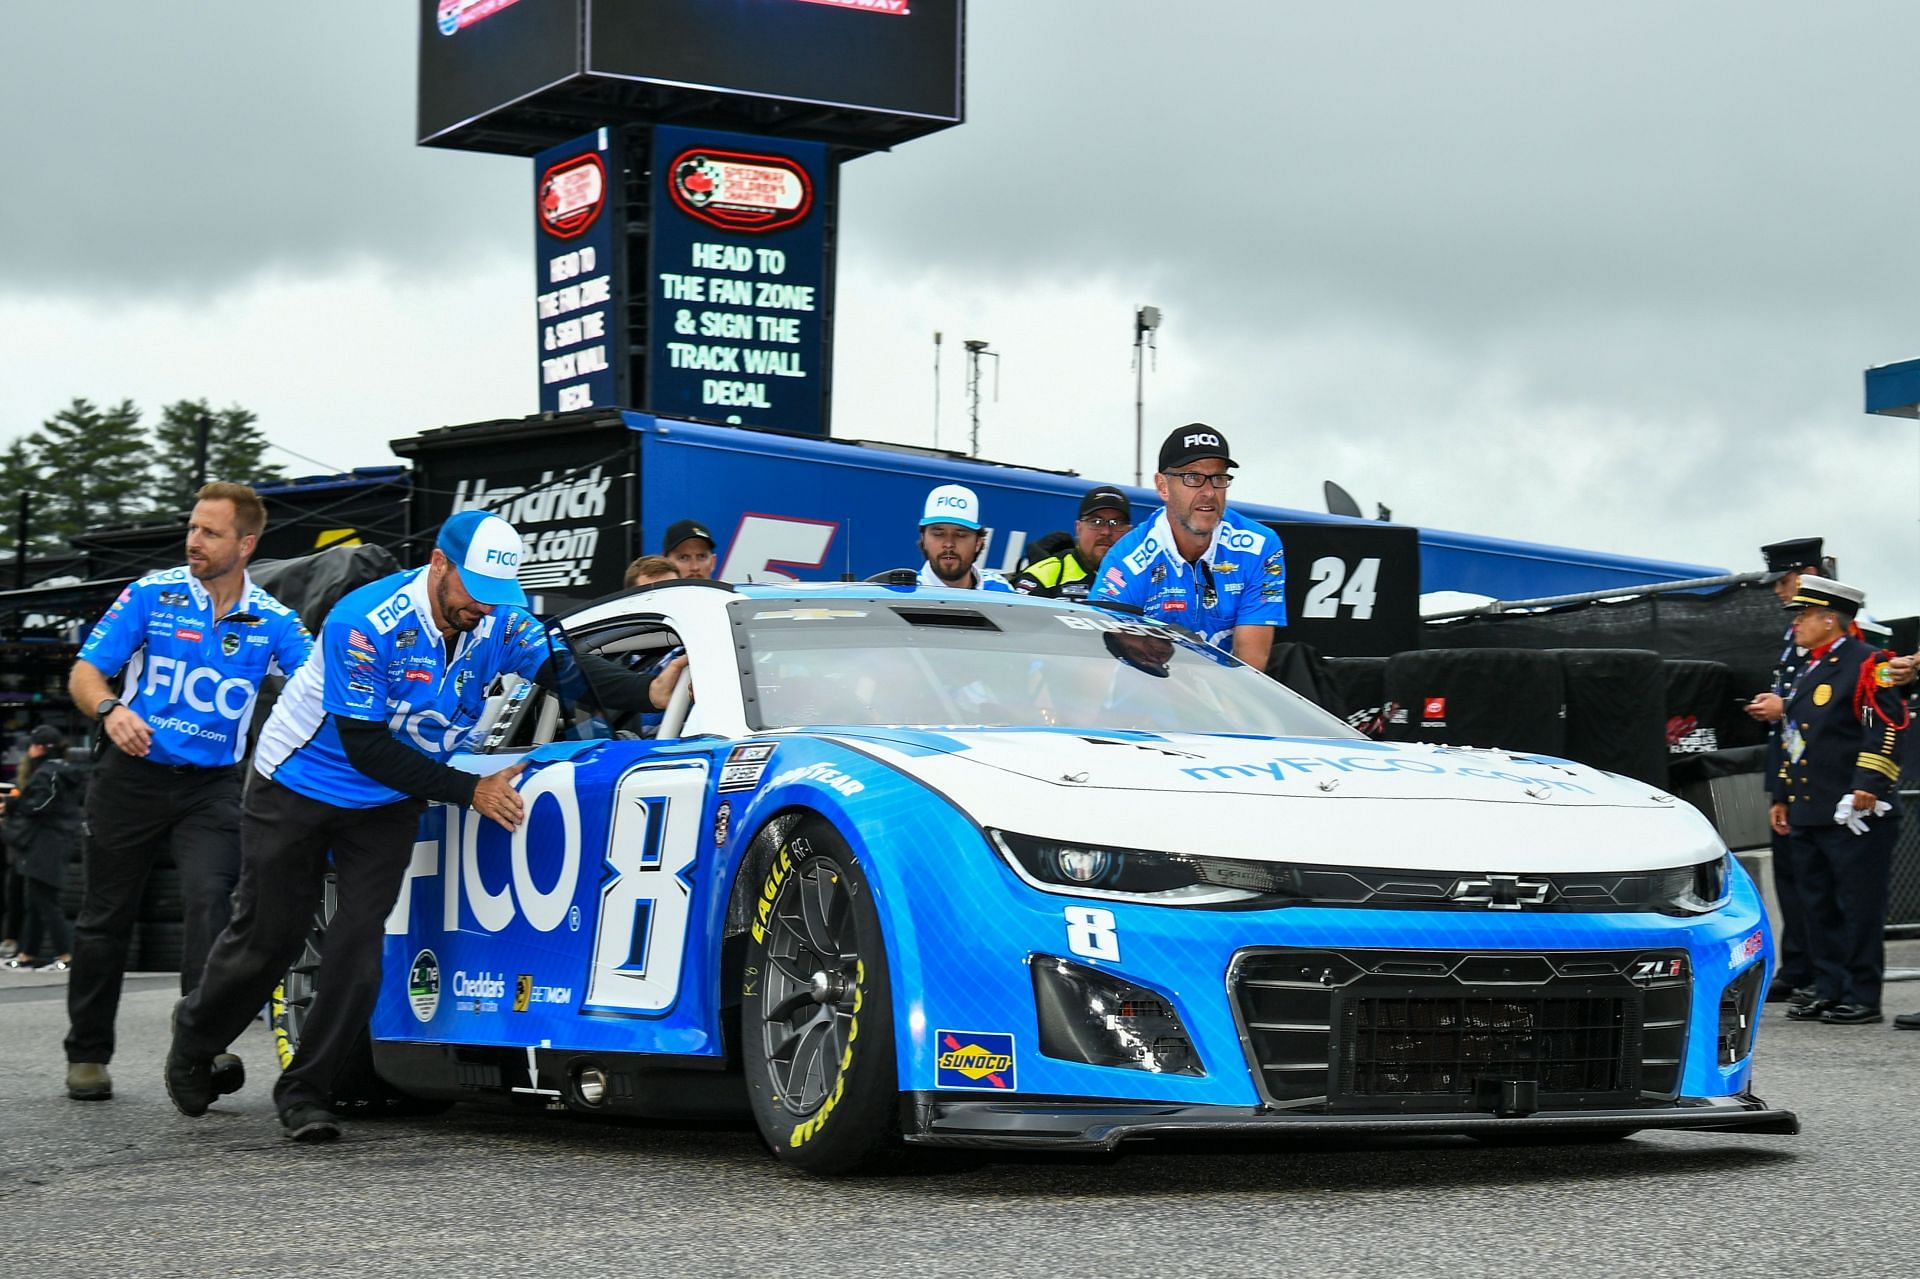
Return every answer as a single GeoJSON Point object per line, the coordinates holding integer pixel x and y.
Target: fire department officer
{"type": "Point", "coordinates": [1793, 979]}
{"type": "Point", "coordinates": [1197, 564]}
{"type": "Point", "coordinates": [1105, 516]}
{"type": "Point", "coordinates": [355, 746]}
{"type": "Point", "coordinates": [195, 642]}
{"type": "Point", "coordinates": [1835, 799]}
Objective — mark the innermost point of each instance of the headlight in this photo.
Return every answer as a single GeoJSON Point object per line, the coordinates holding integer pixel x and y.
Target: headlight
{"type": "Point", "coordinates": [1175, 878]}
{"type": "Point", "coordinates": [1694, 890]}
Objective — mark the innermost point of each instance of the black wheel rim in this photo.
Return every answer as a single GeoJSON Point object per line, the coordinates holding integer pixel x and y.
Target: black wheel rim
{"type": "Point", "coordinates": [812, 986]}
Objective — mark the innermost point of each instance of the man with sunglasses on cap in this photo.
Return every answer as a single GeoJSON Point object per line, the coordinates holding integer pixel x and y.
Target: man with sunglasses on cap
{"type": "Point", "coordinates": [1197, 564]}
{"type": "Point", "coordinates": [1105, 517]}
{"type": "Point", "coordinates": [689, 547]}
{"type": "Point", "coordinates": [1835, 800]}
{"type": "Point", "coordinates": [353, 750]}
{"type": "Point", "coordinates": [951, 538]}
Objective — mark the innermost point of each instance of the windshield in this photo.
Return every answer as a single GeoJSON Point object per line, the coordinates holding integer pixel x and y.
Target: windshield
{"type": "Point", "coordinates": [947, 664]}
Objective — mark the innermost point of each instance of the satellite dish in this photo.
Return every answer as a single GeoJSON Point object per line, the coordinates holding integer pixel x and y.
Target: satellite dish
{"type": "Point", "coordinates": [1340, 502]}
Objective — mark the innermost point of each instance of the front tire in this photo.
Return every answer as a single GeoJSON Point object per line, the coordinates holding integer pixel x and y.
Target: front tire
{"type": "Point", "coordinates": [816, 1010]}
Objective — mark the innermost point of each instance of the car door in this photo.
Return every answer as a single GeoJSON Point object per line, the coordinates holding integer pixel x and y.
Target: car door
{"type": "Point", "coordinates": [582, 928]}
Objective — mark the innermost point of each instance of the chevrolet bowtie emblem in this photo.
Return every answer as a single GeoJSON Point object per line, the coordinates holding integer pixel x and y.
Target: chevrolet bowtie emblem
{"type": "Point", "coordinates": [1502, 892]}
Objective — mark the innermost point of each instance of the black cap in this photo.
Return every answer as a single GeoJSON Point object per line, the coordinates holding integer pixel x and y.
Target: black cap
{"type": "Point", "coordinates": [1192, 442]}
{"type": "Point", "coordinates": [1824, 592]}
{"type": "Point", "coordinates": [680, 530]}
{"type": "Point", "coordinates": [1791, 556]}
{"type": "Point", "coordinates": [1106, 497]}
{"type": "Point", "coordinates": [46, 735]}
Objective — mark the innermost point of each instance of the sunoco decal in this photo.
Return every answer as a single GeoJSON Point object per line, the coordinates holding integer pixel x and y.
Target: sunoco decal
{"type": "Point", "coordinates": [738, 191]}
{"type": "Point", "coordinates": [973, 1059]}
{"type": "Point", "coordinates": [571, 194]}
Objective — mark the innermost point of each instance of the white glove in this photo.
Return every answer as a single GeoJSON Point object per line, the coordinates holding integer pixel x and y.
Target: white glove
{"type": "Point", "coordinates": [1855, 819]}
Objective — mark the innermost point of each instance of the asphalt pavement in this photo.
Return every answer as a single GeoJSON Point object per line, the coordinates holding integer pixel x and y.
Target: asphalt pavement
{"type": "Point", "coordinates": [129, 1188]}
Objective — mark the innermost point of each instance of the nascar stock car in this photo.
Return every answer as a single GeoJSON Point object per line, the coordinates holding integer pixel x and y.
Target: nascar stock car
{"type": "Point", "coordinates": [951, 868]}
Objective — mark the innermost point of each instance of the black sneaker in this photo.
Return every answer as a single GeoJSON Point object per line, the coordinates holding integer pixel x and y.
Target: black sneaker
{"type": "Point", "coordinates": [309, 1121]}
{"type": "Point", "coordinates": [229, 1074]}
{"type": "Point", "coordinates": [189, 1079]}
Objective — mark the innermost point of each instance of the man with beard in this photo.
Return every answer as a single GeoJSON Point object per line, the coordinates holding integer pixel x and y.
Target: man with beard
{"type": "Point", "coordinates": [195, 642]}
{"type": "Point", "coordinates": [1105, 516]}
{"type": "Point", "coordinates": [354, 749]}
{"type": "Point", "coordinates": [1197, 564]}
{"type": "Point", "coordinates": [951, 538]}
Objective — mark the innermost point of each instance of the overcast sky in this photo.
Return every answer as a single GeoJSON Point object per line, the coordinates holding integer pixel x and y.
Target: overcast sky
{"type": "Point", "coordinates": [1603, 275]}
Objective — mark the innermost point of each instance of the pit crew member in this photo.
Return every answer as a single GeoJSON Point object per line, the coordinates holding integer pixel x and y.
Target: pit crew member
{"type": "Point", "coordinates": [951, 539]}
{"type": "Point", "coordinates": [353, 750]}
{"type": "Point", "coordinates": [194, 642]}
{"type": "Point", "coordinates": [1197, 564]}
{"type": "Point", "coordinates": [1105, 517]}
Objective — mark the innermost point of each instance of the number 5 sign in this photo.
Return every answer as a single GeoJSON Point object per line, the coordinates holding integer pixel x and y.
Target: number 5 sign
{"type": "Point", "coordinates": [1353, 590]}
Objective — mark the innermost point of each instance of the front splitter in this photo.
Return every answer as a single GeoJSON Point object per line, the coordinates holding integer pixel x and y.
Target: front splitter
{"type": "Point", "coordinates": [984, 1119]}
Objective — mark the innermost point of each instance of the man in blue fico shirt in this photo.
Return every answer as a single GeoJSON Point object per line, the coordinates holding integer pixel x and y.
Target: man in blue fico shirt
{"type": "Point", "coordinates": [354, 749]}
{"type": "Point", "coordinates": [1197, 564]}
{"type": "Point", "coordinates": [194, 643]}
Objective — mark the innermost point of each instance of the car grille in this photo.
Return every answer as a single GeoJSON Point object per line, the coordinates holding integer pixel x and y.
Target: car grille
{"type": "Point", "coordinates": [1390, 1030]}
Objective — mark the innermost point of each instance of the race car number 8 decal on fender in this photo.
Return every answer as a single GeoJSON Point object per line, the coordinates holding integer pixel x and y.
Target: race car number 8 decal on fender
{"type": "Point", "coordinates": [1092, 932]}
{"type": "Point", "coordinates": [640, 935]}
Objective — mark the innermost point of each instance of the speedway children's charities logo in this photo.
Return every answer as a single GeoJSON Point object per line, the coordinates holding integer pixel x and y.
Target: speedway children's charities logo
{"type": "Point", "coordinates": [973, 1059]}
{"type": "Point", "coordinates": [571, 195]}
{"type": "Point", "coordinates": [739, 191]}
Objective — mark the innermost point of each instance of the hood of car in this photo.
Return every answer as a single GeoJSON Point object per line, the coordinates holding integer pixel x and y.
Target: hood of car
{"type": "Point", "coordinates": [1327, 801]}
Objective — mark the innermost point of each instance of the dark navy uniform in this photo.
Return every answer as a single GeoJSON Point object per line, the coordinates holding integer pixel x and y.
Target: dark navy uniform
{"type": "Point", "coordinates": [1838, 736]}
{"type": "Point", "coordinates": [1795, 971]}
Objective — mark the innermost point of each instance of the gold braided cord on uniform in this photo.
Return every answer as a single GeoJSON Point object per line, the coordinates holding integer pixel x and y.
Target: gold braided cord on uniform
{"type": "Point", "coordinates": [1879, 764]}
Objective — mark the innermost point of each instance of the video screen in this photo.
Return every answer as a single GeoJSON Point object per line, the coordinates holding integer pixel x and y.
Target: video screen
{"type": "Point", "coordinates": [895, 56]}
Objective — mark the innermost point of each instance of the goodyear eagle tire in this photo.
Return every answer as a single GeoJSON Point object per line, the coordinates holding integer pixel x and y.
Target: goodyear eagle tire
{"type": "Point", "coordinates": [816, 1010]}
{"type": "Point", "coordinates": [359, 1092]}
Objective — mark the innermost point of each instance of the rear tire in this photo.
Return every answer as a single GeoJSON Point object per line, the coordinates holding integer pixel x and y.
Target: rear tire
{"type": "Point", "coordinates": [360, 1092]}
{"type": "Point", "coordinates": [816, 1010]}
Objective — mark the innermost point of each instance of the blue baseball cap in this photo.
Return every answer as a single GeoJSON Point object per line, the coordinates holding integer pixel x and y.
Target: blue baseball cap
{"type": "Point", "coordinates": [486, 550]}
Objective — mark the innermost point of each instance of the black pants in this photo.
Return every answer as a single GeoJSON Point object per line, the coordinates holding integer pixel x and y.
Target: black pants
{"type": "Point", "coordinates": [1795, 962]}
{"type": "Point", "coordinates": [44, 919]}
{"type": "Point", "coordinates": [1844, 887]}
{"type": "Point", "coordinates": [284, 838]}
{"type": "Point", "coordinates": [15, 920]}
{"type": "Point", "coordinates": [134, 810]}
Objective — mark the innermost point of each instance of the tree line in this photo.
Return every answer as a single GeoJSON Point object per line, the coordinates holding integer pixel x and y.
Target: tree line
{"type": "Point", "coordinates": [90, 465]}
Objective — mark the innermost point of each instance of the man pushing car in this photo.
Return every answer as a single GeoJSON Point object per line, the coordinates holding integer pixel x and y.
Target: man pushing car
{"type": "Point", "coordinates": [353, 751]}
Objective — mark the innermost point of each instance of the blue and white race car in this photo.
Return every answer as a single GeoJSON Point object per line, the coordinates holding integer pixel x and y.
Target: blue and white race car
{"type": "Point", "coordinates": [966, 869]}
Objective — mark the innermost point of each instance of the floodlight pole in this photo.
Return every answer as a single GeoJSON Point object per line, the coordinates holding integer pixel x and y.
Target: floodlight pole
{"type": "Point", "coordinates": [977, 349]}
{"type": "Point", "coordinates": [1146, 326]}
{"type": "Point", "coordinates": [936, 388]}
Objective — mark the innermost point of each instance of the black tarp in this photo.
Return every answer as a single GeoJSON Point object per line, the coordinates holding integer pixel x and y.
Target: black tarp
{"type": "Point", "coordinates": [1513, 698]}
{"type": "Point", "coordinates": [1617, 710]}
{"type": "Point", "coordinates": [1356, 691]}
{"type": "Point", "coordinates": [313, 584]}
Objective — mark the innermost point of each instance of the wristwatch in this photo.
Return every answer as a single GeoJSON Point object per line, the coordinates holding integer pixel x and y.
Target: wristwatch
{"type": "Point", "coordinates": [105, 708]}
